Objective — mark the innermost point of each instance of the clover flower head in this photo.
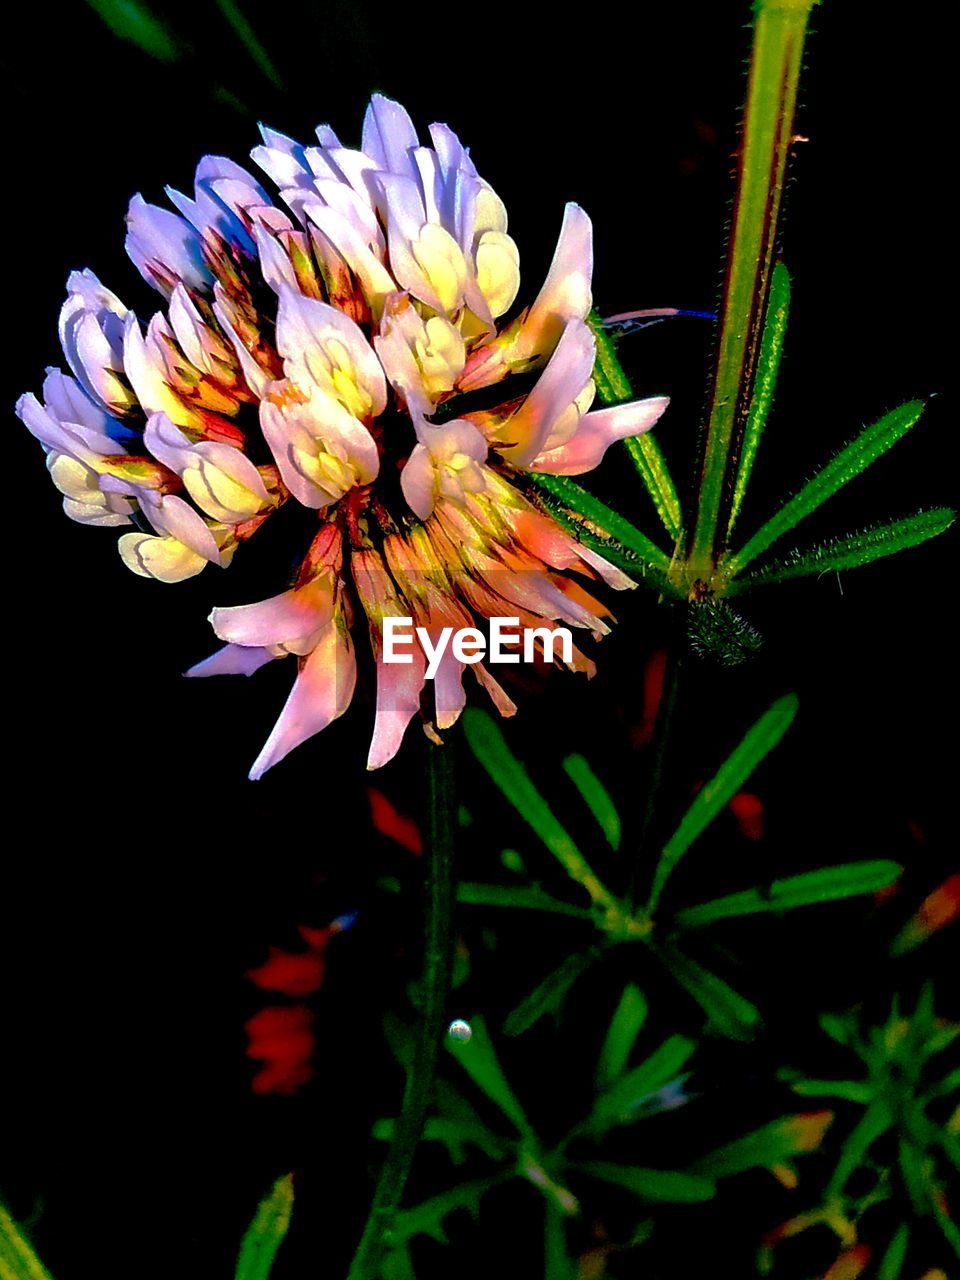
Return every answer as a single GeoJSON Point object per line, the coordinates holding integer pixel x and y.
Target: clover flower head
{"type": "Point", "coordinates": [319, 349]}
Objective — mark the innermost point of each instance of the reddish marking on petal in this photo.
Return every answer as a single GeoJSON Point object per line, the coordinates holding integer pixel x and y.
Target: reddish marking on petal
{"type": "Point", "coordinates": [653, 674]}
{"type": "Point", "coordinates": [748, 809]}
{"type": "Point", "coordinates": [851, 1263]}
{"type": "Point", "coordinates": [386, 819]}
{"type": "Point", "coordinates": [283, 1040]}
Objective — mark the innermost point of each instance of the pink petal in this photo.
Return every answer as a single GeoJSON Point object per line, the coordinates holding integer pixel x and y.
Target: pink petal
{"type": "Point", "coordinates": [292, 615]}
{"type": "Point", "coordinates": [320, 693]}
{"type": "Point", "coordinates": [597, 431]}
{"type": "Point", "coordinates": [398, 700]}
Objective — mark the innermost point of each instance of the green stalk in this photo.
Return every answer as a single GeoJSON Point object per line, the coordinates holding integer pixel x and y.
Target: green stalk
{"type": "Point", "coordinates": [435, 988]}
{"type": "Point", "coordinates": [779, 31]}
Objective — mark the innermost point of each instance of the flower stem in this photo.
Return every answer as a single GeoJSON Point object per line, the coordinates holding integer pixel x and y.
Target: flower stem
{"type": "Point", "coordinates": [435, 987]}
{"type": "Point", "coordinates": [779, 31]}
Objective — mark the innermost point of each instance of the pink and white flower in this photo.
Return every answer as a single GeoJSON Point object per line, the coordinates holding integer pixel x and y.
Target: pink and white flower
{"type": "Point", "coordinates": [316, 355]}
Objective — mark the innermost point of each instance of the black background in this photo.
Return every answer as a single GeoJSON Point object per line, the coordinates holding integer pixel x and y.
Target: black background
{"type": "Point", "coordinates": [143, 875]}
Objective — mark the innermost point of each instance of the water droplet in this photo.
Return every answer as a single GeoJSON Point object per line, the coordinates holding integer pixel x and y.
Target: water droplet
{"type": "Point", "coordinates": [460, 1030]}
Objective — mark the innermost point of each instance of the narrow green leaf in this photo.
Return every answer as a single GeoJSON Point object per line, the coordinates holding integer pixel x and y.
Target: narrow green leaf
{"type": "Point", "coordinates": [852, 551]}
{"type": "Point", "coordinates": [622, 1102]}
{"type": "Point", "coordinates": [893, 1259]}
{"type": "Point", "coordinates": [653, 471]}
{"type": "Point", "coordinates": [248, 38]}
{"type": "Point", "coordinates": [861, 1091]}
{"type": "Point", "coordinates": [764, 381]}
{"type": "Point", "coordinates": [133, 21]}
{"type": "Point", "coordinates": [595, 796]}
{"type": "Point", "coordinates": [488, 744]}
{"type": "Point", "coordinates": [871, 444]}
{"type": "Point", "coordinates": [549, 995]}
{"type": "Point", "coordinates": [625, 1025]}
{"type": "Point", "coordinates": [670, 1186]}
{"type": "Point", "coordinates": [915, 1177]}
{"type": "Point", "coordinates": [524, 897]}
{"type": "Point", "coordinates": [714, 795]}
{"type": "Point", "coordinates": [18, 1261]}
{"type": "Point", "coordinates": [478, 1058]}
{"type": "Point", "coordinates": [828, 884]}
{"type": "Point", "coordinates": [951, 1232]}
{"type": "Point", "coordinates": [613, 387]}
{"type": "Point", "coordinates": [772, 1144]}
{"type": "Point", "coordinates": [874, 1122]}
{"type": "Point", "coordinates": [729, 1012]}
{"type": "Point", "coordinates": [265, 1234]}
{"type": "Point", "coordinates": [584, 507]}
{"type": "Point", "coordinates": [427, 1218]}
{"type": "Point", "coordinates": [767, 136]}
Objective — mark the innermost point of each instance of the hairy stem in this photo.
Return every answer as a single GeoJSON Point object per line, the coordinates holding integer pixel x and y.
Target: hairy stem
{"type": "Point", "coordinates": [767, 134]}
{"type": "Point", "coordinates": [435, 987]}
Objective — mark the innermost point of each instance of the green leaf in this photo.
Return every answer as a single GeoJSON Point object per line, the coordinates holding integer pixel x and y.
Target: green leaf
{"type": "Point", "coordinates": [893, 1259]}
{"type": "Point", "coordinates": [248, 38]}
{"type": "Point", "coordinates": [583, 508]}
{"type": "Point", "coordinates": [671, 1186]}
{"type": "Point", "coordinates": [871, 444]}
{"type": "Point", "coordinates": [525, 897]}
{"type": "Point", "coordinates": [729, 778]}
{"type": "Point", "coordinates": [613, 387]}
{"type": "Point", "coordinates": [764, 382]}
{"type": "Point", "coordinates": [549, 995]}
{"type": "Point", "coordinates": [488, 744]}
{"type": "Point", "coordinates": [915, 1177]}
{"type": "Point", "coordinates": [874, 1122]}
{"type": "Point", "coordinates": [18, 1261]}
{"type": "Point", "coordinates": [595, 796]}
{"type": "Point", "coordinates": [771, 1145]}
{"type": "Point", "coordinates": [852, 551]}
{"type": "Point", "coordinates": [478, 1058]}
{"type": "Point", "coordinates": [766, 143]}
{"type": "Point", "coordinates": [729, 1012]}
{"type": "Point", "coordinates": [622, 1101]}
{"type": "Point", "coordinates": [625, 1025]}
{"type": "Point", "coordinates": [265, 1234]}
{"type": "Point", "coordinates": [427, 1218]}
{"type": "Point", "coordinates": [132, 21]}
{"type": "Point", "coordinates": [828, 884]}
{"type": "Point", "coordinates": [861, 1091]}
{"type": "Point", "coordinates": [951, 1231]}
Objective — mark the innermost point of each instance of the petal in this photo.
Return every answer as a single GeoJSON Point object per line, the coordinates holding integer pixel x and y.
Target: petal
{"type": "Point", "coordinates": [165, 559]}
{"type": "Point", "coordinates": [321, 692]}
{"type": "Point", "coordinates": [556, 391]}
{"type": "Point", "coordinates": [596, 432]}
{"type": "Point", "coordinates": [287, 617]}
{"type": "Point", "coordinates": [232, 660]}
{"type": "Point", "coordinates": [389, 136]}
{"type": "Point", "coordinates": [398, 700]}
{"type": "Point", "coordinates": [164, 248]}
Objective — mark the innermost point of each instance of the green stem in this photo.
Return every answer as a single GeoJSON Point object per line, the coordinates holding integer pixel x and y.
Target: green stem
{"type": "Point", "coordinates": [779, 32]}
{"type": "Point", "coordinates": [435, 987]}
